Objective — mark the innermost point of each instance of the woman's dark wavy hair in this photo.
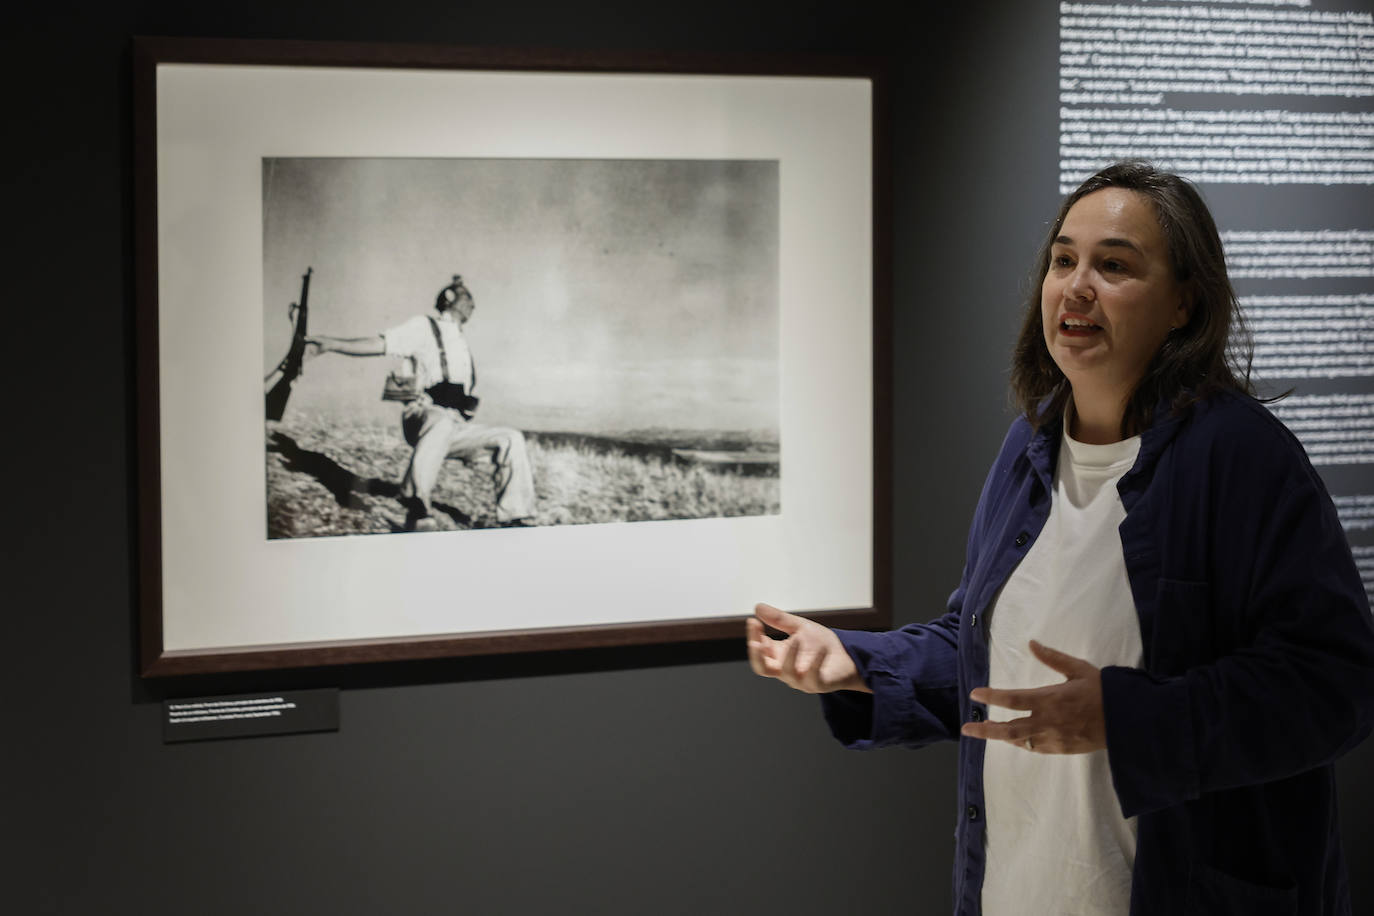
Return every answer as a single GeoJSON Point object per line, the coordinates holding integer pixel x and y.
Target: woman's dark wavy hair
{"type": "Point", "coordinates": [1212, 352]}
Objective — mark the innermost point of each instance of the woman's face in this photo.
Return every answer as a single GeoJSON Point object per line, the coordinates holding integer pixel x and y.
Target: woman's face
{"type": "Point", "coordinates": [1110, 297]}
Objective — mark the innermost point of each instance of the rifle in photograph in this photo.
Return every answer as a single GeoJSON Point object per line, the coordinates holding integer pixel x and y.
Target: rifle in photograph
{"type": "Point", "coordinates": [289, 368]}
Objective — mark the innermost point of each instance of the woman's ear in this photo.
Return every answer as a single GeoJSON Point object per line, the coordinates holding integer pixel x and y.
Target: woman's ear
{"type": "Point", "coordinates": [1185, 309]}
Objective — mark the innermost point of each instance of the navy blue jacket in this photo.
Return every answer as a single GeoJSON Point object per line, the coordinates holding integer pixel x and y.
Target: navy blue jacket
{"type": "Point", "coordinates": [1258, 664]}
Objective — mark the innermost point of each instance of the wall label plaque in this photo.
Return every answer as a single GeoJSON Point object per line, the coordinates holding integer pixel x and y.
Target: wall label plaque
{"type": "Point", "coordinates": [250, 714]}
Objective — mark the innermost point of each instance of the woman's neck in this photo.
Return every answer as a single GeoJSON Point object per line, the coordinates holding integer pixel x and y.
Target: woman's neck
{"type": "Point", "coordinates": [1095, 417]}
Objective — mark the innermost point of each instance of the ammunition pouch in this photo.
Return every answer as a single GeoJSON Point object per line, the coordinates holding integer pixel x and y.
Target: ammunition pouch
{"type": "Point", "coordinates": [452, 394]}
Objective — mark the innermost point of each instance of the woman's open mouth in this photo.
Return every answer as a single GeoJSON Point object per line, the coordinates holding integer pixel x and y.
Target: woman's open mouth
{"type": "Point", "coordinates": [1078, 327]}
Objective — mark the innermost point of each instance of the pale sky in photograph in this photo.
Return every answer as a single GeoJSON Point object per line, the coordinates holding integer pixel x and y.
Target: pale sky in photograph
{"type": "Point", "coordinates": [611, 294]}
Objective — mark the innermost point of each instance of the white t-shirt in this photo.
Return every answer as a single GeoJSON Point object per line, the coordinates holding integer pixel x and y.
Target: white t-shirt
{"type": "Point", "coordinates": [1056, 839]}
{"type": "Point", "coordinates": [414, 338]}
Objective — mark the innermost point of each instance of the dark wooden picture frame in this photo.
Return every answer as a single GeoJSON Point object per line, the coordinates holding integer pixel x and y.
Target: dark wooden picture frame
{"type": "Point", "coordinates": [173, 602]}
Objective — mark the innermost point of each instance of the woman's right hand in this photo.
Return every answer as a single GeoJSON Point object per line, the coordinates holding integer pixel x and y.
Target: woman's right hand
{"type": "Point", "coordinates": [811, 658]}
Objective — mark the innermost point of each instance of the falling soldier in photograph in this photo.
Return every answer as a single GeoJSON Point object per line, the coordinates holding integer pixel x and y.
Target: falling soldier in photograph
{"type": "Point", "coordinates": [435, 389]}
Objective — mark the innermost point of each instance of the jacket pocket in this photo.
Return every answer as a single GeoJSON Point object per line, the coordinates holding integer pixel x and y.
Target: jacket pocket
{"type": "Point", "coordinates": [1212, 892]}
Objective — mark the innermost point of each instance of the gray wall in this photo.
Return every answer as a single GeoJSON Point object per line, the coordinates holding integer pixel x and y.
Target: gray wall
{"type": "Point", "coordinates": [665, 780]}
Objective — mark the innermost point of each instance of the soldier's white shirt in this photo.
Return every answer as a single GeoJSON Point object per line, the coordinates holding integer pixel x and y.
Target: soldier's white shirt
{"type": "Point", "coordinates": [414, 339]}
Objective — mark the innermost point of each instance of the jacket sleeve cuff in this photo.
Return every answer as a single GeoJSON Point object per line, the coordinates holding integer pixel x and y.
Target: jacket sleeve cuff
{"type": "Point", "coordinates": [888, 716]}
{"type": "Point", "coordinates": [1150, 739]}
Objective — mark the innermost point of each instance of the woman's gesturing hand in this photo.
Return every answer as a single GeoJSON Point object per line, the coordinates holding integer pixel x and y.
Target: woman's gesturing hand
{"type": "Point", "coordinates": [810, 658]}
{"type": "Point", "coordinates": [1064, 718]}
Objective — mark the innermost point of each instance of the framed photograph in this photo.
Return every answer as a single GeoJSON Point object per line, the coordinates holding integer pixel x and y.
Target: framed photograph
{"type": "Point", "coordinates": [445, 352]}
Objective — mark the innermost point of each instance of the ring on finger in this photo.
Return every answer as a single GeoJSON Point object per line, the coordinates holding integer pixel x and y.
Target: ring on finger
{"type": "Point", "coordinates": [1028, 744]}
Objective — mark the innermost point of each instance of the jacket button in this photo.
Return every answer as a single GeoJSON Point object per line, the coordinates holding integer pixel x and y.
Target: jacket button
{"type": "Point", "coordinates": [973, 620]}
{"type": "Point", "coordinates": [1021, 539]}
{"type": "Point", "coordinates": [977, 715]}
{"type": "Point", "coordinates": [972, 812]}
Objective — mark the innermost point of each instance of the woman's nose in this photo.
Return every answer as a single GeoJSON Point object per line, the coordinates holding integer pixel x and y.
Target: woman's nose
{"type": "Point", "coordinates": [1080, 284]}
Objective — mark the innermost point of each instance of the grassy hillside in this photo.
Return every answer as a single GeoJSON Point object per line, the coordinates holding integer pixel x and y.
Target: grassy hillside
{"type": "Point", "coordinates": [324, 478]}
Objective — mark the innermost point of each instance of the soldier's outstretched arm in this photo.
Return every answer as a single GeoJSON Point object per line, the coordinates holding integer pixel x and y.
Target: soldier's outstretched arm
{"type": "Point", "coordinates": [317, 344]}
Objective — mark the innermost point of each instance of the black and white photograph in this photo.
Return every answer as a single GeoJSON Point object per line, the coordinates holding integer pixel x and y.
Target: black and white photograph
{"type": "Point", "coordinates": [555, 329]}
{"type": "Point", "coordinates": [466, 343]}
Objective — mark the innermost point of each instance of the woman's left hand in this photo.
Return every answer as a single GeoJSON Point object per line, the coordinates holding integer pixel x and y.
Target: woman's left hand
{"type": "Point", "coordinates": [1064, 718]}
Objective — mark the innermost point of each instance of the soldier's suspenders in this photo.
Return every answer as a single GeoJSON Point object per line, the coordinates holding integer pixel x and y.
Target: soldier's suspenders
{"type": "Point", "coordinates": [443, 355]}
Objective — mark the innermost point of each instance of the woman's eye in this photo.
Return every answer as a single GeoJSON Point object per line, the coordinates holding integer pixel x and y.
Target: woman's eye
{"type": "Point", "coordinates": [1114, 266]}
{"type": "Point", "coordinates": [1062, 260]}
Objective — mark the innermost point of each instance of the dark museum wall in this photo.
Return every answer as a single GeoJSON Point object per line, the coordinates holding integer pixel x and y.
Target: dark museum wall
{"type": "Point", "coordinates": [653, 781]}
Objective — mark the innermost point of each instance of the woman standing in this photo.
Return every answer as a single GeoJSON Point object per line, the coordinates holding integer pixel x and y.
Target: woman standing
{"type": "Point", "coordinates": [1160, 642]}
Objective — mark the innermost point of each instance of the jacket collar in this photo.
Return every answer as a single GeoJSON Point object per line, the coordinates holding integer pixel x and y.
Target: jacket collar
{"type": "Point", "coordinates": [1043, 449]}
